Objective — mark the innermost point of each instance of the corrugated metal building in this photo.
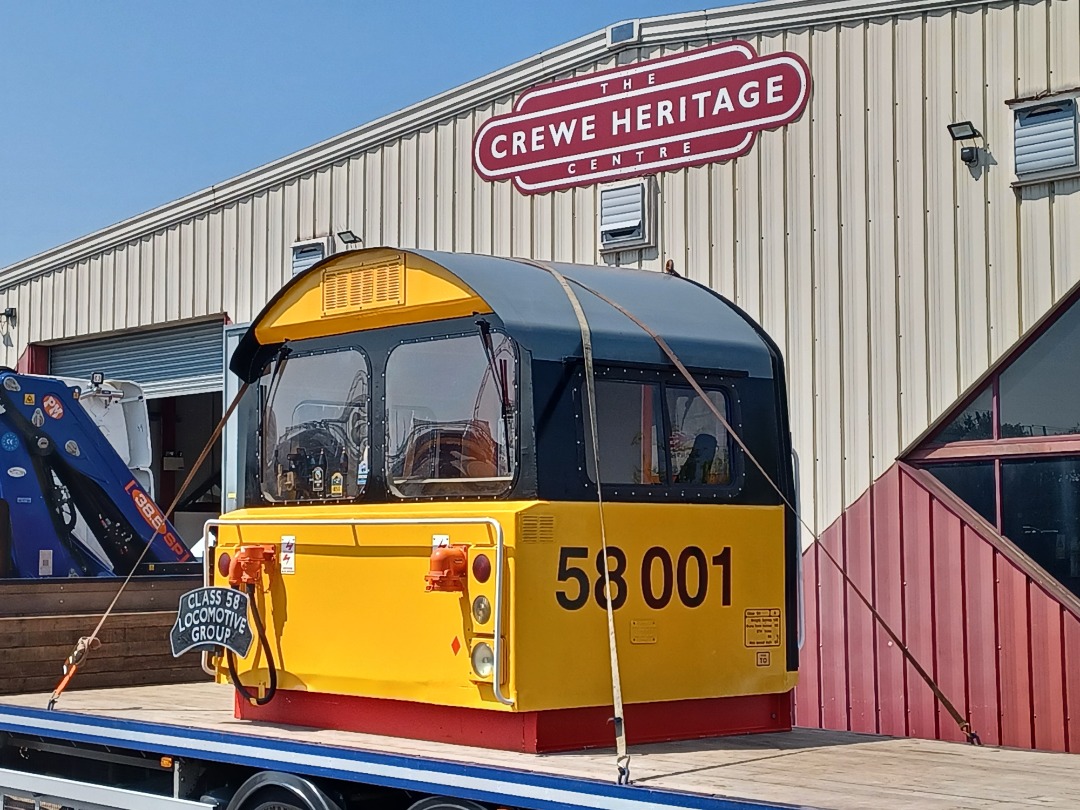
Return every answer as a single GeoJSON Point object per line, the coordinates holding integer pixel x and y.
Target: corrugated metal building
{"type": "Point", "coordinates": [897, 273]}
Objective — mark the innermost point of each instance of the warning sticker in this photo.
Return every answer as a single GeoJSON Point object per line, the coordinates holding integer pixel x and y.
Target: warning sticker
{"type": "Point", "coordinates": [762, 626]}
{"type": "Point", "coordinates": [288, 554]}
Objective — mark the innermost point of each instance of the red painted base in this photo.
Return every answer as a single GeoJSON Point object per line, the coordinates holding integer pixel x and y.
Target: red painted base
{"type": "Point", "coordinates": [529, 732]}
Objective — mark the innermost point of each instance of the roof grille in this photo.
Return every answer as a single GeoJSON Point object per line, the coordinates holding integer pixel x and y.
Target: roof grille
{"type": "Point", "coordinates": [371, 286]}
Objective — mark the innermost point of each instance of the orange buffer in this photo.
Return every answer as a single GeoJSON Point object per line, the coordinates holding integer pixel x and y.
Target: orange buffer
{"type": "Point", "coordinates": [247, 566]}
{"type": "Point", "coordinates": [449, 566]}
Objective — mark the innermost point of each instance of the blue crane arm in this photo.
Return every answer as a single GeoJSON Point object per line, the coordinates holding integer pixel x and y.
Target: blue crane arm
{"type": "Point", "coordinates": [55, 467]}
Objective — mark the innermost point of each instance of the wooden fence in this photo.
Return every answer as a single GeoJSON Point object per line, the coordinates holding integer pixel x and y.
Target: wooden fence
{"type": "Point", "coordinates": [41, 620]}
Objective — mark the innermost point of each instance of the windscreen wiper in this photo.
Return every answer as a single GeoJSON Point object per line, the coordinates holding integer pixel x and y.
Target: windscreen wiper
{"type": "Point", "coordinates": [501, 383]}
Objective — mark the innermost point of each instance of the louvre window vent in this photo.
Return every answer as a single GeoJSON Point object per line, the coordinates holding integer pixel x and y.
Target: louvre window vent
{"type": "Point", "coordinates": [1045, 138]}
{"type": "Point", "coordinates": [351, 289]}
{"type": "Point", "coordinates": [624, 217]}
{"type": "Point", "coordinates": [307, 254]}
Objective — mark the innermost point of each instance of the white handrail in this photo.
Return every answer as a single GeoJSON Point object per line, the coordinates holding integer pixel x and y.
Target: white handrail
{"type": "Point", "coordinates": [500, 554]}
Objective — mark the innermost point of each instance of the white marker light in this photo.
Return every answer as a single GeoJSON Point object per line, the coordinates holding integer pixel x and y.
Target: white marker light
{"type": "Point", "coordinates": [483, 660]}
{"type": "Point", "coordinates": [481, 609]}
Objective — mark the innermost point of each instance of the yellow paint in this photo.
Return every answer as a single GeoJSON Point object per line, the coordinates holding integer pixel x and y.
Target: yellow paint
{"type": "Point", "coordinates": [428, 292]}
{"type": "Point", "coordinates": [355, 618]}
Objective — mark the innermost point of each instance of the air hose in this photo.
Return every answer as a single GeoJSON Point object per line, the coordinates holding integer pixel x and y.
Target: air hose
{"type": "Point", "coordinates": [271, 690]}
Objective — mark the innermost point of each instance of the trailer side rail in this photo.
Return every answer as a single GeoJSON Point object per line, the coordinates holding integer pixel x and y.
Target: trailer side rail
{"type": "Point", "coordinates": [37, 788]}
{"type": "Point", "coordinates": [485, 783]}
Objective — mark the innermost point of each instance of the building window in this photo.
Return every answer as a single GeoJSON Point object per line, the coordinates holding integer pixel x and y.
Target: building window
{"type": "Point", "coordinates": [1040, 500]}
{"type": "Point", "coordinates": [975, 422]}
{"type": "Point", "coordinates": [451, 416]}
{"type": "Point", "coordinates": [1011, 450]}
{"type": "Point", "coordinates": [973, 482]}
{"type": "Point", "coordinates": [1035, 395]}
{"type": "Point", "coordinates": [1040, 391]}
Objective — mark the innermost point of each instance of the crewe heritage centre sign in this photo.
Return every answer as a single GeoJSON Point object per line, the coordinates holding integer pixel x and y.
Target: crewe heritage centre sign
{"type": "Point", "coordinates": [688, 109]}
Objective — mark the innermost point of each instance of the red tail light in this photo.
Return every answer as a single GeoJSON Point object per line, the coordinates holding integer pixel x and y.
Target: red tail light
{"type": "Point", "coordinates": [223, 563]}
{"type": "Point", "coordinates": [481, 568]}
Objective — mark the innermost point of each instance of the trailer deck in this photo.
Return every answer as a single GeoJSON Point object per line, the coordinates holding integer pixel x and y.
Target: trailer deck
{"type": "Point", "coordinates": [805, 768]}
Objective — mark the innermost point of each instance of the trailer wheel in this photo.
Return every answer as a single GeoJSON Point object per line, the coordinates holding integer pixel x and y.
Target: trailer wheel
{"type": "Point", "coordinates": [272, 790]}
{"type": "Point", "coordinates": [443, 803]}
{"type": "Point", "coordinates": [275, 800]}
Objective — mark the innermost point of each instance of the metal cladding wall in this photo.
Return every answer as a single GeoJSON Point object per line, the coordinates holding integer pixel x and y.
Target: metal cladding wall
{"type": "Point", "coordinates": [890, 274]}
{"type": "Point", "coordinates": [1000, 636]}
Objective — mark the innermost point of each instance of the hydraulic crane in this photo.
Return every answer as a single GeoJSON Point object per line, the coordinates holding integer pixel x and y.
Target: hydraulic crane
{"type": "Point", "coordinates": [69, 505]}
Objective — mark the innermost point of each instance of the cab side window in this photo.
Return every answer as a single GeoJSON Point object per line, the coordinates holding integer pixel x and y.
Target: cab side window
{"type": "Point", "coordinates": [659, 434]}
{"type": "Point", "coordinates": [697, 440]}
{"type": "Point", "coordinates": [629, 422]}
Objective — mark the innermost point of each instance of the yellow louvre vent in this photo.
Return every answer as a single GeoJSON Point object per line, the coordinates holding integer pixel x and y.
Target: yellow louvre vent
{"type": "Point", "coordinates": [537, 528]}
{"type": "Point", "coordinates": [351, 289]}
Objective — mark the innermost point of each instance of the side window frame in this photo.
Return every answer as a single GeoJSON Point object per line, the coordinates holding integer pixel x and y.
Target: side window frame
{"type": "Point", "coordinates": [709, 381]}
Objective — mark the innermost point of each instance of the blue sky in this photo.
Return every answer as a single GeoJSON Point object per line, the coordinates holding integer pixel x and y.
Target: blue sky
{"type": "Point", "coordinates": [110, 108]}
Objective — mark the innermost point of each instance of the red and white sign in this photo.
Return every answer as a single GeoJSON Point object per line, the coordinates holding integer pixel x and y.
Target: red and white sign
{"type": "Point", "coordinates": [689, 109]}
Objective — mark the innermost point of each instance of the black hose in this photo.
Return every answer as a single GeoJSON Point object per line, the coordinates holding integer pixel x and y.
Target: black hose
{"type": "Point", "coordinates": [230, 657]}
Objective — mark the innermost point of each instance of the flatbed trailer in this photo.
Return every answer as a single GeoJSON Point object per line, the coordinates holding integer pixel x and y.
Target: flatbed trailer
{"type": "Point", "coordinates": [85, 755]}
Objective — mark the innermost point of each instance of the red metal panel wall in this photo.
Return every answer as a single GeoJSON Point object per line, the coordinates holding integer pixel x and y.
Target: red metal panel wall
{"type": "Point", "coordinates": [888, 583]}
{"type": "Point", "coordinates": [918, 588]}
{"type": "Point", "coordinates": [1047, 684]}
{"type": "Point", "coordinates": [808, 695]}
{"type": "Point", "coordinates": [1014, 685]}
{"type": "Point", "coordinates": [831, 591]}
{"type": "Point", "coordinates": [1002, 640]}
{"type": "Point", "coordinates": [949, 635]}
{"type": "Point", "coordinates": [980, 624]}
{"type": "Point", "coordinates": [1072, 682]}
{"type": "Point", "coordinates": [862, 695]}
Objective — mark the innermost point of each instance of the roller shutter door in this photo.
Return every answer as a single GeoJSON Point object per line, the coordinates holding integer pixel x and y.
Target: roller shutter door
{"type": "Point", "coordinates": [165, 362]}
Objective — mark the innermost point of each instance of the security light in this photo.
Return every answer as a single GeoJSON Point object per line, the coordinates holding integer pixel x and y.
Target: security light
{"type": "Point", "coordinates": [349, 238]}
{"type": "Point", "coordinates": [963, 131]}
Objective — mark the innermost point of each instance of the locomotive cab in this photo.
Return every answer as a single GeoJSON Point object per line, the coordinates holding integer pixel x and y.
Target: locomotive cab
{"type": "Point", "coordinates": [418, 459]}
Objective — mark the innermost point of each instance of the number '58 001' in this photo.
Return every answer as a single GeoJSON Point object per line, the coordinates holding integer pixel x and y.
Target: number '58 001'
{"type": "Point", "coordinates": [661, 577]}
